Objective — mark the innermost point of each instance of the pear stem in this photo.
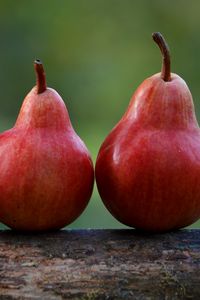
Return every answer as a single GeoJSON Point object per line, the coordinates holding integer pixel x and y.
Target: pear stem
{"type": "Point", "coordinates": [40, 76]}
{"type": "Point", "coordinates": [162, 44]}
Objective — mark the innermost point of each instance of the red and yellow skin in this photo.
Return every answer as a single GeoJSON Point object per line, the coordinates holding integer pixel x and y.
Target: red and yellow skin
{"type": "Point", "coordinates": [46, 173]}
{"type": "Point", "coordinates": [148, 168]}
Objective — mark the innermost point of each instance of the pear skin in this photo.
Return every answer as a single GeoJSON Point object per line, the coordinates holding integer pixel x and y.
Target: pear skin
{"type": "Point", "coordinates": [46, 172]}
{"type": "Point", "coordinates": [148, 168]}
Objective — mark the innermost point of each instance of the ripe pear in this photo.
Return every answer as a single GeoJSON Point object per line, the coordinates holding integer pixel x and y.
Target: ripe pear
{"type": "Point", "coordinates": [148, 167]}
{"type": "Point", "coordinates": [46, 173]}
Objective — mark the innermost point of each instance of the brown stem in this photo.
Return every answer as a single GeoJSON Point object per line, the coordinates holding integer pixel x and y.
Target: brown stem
{"type": "Point", "coordinates": [40, 76]}
{"type": "Point", "coordinates": [160, 41]}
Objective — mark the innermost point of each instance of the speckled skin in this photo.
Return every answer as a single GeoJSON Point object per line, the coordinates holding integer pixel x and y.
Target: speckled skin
{"type": "Point", "coordinates": [46, 173]}
{"type": "Point", "coordinates": [148, 168]}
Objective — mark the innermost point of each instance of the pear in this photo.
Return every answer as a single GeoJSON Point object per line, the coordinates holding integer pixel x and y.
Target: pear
{"type": "Point", "coordinates": [148, 167]}
{"type": "Point", "coordinates": [46, 173]}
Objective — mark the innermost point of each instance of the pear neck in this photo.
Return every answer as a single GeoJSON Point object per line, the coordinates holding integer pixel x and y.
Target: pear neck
{"type": "Point", "coordinates": [162, 105]}
{"type": "Point", "coordinates": [43, 111]}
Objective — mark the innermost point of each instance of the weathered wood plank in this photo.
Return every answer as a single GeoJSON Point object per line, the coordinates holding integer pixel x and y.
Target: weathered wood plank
{"type": "Point", "coordinates": [100, 264]}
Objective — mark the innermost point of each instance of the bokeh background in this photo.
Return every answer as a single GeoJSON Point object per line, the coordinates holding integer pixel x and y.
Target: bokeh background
{"type": "Point", "coordinates": [95, 53]}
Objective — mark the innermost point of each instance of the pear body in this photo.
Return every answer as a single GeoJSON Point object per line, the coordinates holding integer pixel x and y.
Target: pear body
{"type": "Point", "coordinates": [46, 173]}
{"type": "Point", "coordinates": [148, 167]}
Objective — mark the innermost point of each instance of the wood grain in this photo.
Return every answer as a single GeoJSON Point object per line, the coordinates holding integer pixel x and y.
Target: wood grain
{"type": "Point", "coordinates": [100, 264]}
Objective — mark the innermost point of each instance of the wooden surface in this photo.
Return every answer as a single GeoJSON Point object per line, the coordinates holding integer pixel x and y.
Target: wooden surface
{"type": "Point", "coordinates": [100, 264]}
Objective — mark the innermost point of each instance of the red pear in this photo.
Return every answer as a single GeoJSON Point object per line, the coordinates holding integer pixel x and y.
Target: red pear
{"type": "Point", "coordinates": [148, 168]}
{"type": "Point", "coordinates": [46, 173]}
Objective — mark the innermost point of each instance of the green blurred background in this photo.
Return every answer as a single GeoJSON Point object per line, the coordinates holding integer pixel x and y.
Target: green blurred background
{"type": "Point", "coordinates": [95, 53]}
